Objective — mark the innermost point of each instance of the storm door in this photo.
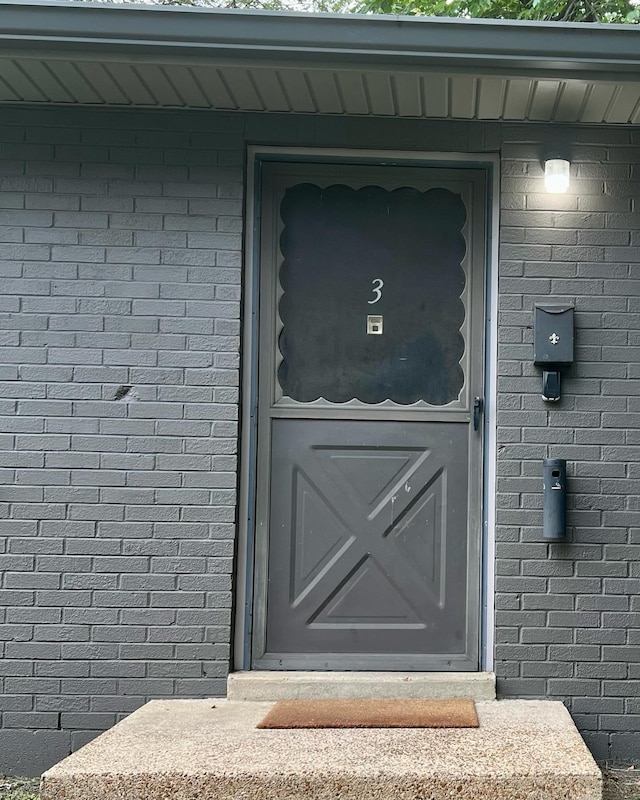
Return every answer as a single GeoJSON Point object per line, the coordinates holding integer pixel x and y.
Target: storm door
{"type": "Point", "coordinates": [369, 458]}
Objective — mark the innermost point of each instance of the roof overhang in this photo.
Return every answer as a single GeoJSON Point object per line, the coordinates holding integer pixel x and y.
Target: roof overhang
{"type": "Point", "coordinates": [184, 57]}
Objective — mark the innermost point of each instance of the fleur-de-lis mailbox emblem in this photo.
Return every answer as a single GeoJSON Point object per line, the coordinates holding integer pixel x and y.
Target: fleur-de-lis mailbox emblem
{"type": "Point", "coordinates": [554, 338]}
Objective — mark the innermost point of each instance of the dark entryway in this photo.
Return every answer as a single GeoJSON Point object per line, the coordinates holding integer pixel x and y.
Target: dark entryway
{"type": "Point", "coordinates": [368, 540]}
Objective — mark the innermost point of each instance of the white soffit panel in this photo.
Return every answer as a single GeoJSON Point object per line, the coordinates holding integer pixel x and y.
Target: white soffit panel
{"type": "Point", "coordinates": [187, 87]}
{"type": "Point", "coordinates": [408, 95]}
{"type": "Point", "coordinates": [597, 102]}
{"type": "Point", "coordinates": [209, 80]}
{"type": "Point", "coordinates": [623, 107]}
{"type": "Point", "coordinates": [104, 86]}
{"type": "Point", "coordinates": [543, 102]}
{"type": "Point", "coordinates": [463, 97]}
{"type": "Point", "coordinates": [126, 77]}
{"type": "Point", "coordinates": [571, 102]}
{"type": "Point", "coordinates": [352, 95]}
{"type": "Point", "coordinates": [516, 99]}
{"type": "Point", "coordinates": [436, 94]}
{"type": "Point", "coordinates": [313, 89]}
{"type": "Point", "coordinates": [270, 90]}
{"type": "Point", "coordinates": [241, 87]}
{"type": "Point", "coordinates": [324, 89]}
{"type": "Point", "coordinates": [7, 94]}
{"type": "Point", "coordinates": [42, 77]}
{"type": "Point", "coordinates": [490, 98]}
{"type": "Point", "coordinates": [159, 84]}
{"type": "Point", "coordinates": [380, 92]}
{"type": "Point", "coordinates": [296, 90]}
{"type": "Point", "coordinates": [16, 75]}
{"type": "Point", "coordinates": [69, 76]}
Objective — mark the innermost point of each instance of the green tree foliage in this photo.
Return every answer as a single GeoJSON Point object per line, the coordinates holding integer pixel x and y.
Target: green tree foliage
{"type": "Point", "coordinates": [316, 6]}
{"type": "Point", "coordinates": [620, 11]}
{"type": "Point", "coordinates": [545, 10]}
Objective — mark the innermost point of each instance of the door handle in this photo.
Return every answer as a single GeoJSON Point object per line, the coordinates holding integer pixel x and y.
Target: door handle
{"type": "Point", "coordinates": [478, 406]}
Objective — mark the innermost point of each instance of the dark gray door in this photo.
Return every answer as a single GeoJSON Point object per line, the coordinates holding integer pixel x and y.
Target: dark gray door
{"type": "Point", "coordinates": [368, 533]}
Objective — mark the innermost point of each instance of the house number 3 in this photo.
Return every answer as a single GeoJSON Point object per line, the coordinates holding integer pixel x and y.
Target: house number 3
{"type": "Point", "coordinates": [378, 283]}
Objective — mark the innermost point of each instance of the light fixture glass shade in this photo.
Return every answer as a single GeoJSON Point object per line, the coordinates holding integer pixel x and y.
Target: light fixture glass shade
{"type": "Point", "coordinates": [556, 175]}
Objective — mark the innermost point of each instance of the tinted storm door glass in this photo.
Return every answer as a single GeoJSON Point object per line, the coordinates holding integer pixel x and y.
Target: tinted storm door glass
{"type": "Point", "coordinates": [371, 305]}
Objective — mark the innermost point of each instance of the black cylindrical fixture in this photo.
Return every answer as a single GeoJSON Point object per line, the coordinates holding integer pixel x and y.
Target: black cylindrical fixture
{"type": "Point", "coordinates": [554, 498]}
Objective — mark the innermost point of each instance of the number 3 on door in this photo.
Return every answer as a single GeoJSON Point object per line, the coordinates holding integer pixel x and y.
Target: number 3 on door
{"type": "Point", "coordinates": [377, 290]}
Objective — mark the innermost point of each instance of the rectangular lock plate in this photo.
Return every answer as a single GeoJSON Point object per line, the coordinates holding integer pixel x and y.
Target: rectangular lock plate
{"type": "Point", "coordinates": [374, 324]}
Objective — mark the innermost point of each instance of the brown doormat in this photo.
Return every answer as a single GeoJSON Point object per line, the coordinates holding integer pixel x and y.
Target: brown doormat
{"type": "Point", "coordinates": [382, 713]}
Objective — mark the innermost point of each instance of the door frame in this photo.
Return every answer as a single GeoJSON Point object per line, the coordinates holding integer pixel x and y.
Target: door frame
{"type": "Point", "coordinates": [256, 155]}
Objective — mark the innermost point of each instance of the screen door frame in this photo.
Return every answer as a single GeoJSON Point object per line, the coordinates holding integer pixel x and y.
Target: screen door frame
{"type": "Point", "coordinates": [256, 156]}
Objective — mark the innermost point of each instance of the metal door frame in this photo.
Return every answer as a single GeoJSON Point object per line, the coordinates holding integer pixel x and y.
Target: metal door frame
{"type": "Point", "coordinates": [256, 155]}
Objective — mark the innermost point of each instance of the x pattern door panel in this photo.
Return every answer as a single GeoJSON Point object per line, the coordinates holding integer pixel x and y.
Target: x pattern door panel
{"type": "Point", "coordinates": [367, 544]}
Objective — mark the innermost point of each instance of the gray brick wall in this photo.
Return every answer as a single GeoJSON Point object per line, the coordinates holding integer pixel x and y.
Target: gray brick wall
{"type": "Point", "coordinates": [567, 621]}
{"type": "Point", "coordinates": [120, 245]}
{"type": "Point", "coordinates": [120, 242]}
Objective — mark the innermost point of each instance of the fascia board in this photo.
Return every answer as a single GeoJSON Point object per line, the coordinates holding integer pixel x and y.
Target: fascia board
{"type": "Point", "coordinates": [605, 52]}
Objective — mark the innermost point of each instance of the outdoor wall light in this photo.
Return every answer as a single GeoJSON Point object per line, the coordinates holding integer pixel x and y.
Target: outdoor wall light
{"type": "Point", "coordinates": [556, 174]}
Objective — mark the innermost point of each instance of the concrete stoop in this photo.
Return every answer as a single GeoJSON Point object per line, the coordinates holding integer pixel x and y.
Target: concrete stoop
{"type": "Point", "coordinates": [211, 750]}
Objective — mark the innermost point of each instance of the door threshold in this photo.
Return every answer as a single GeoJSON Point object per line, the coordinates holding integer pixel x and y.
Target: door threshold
{"type": "Point", "coordinates": [279, 685]}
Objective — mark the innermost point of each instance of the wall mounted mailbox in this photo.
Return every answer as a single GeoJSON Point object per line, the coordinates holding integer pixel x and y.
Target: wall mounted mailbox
{"type": "Point", "coordinates": [552, 345]}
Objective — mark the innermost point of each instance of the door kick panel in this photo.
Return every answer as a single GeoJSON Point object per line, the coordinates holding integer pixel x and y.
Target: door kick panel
{"type": "Point", "coordinates": [368, 540]}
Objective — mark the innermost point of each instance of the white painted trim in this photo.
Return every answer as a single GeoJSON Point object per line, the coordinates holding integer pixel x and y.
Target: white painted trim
{"type": "Point", "coordinates": [247, 454]}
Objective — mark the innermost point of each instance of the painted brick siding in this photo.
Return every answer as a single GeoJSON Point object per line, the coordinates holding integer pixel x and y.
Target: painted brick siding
{"type": "Point", "coordinates": [119, 325]}
{"type": "Point", "coordinates": [121, 268]}
{"type": "Point", "coordinates": [568, 618]}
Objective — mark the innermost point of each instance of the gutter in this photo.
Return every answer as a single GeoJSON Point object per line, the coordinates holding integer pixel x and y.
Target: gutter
{"type": "Point", "coordinates": [60, 27]}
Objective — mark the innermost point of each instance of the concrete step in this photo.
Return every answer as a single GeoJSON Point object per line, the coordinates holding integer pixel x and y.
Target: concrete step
{"type": "Point", "coordinates": [211, 750]}
{"type": "Point", "coordinates": [262, 686]}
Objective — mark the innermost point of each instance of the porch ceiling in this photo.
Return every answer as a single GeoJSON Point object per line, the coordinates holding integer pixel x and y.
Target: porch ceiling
{"type": "Point", "coordinates": [98, 55]}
